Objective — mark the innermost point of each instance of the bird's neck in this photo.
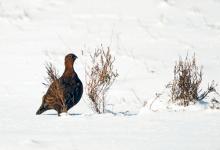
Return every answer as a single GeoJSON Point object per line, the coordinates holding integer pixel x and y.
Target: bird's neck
{"type": "Point", "coordinates": [69, 71]}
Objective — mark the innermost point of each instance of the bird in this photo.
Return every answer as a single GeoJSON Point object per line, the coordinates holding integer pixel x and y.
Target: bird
{"type": "Point", "coordinates": [65, 92]}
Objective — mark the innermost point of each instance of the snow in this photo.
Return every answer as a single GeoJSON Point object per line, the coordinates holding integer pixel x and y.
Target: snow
{"type": "Point", "coordinates": [145, 36]}
{"type": "Point", "coordinates": [79, 131]}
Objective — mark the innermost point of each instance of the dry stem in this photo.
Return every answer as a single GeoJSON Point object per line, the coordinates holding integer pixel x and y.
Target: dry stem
{"type": "Point", "coordinates": [99, 78]}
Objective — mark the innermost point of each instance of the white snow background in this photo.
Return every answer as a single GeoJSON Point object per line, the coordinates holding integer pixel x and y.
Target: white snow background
{"type": "Point", "coordinates": [146, 37]}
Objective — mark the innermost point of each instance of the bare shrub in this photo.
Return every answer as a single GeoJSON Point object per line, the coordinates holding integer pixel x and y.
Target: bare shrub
{"type": "Point", "coordinates": [215, 104]}
{"type": "Point", "coordinates": [99, 78]}
{"type": "Point", "coordinates": [185, 87]}
{"type": "Point", "coordinates": [52, 73]}
{"type": "Point", "coordinates": [55, 89]}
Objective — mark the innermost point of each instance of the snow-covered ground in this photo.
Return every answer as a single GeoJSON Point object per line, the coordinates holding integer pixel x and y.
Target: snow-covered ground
{"type": "Point", "coordinates": [145, 36]}
{"type": "Point", "coordinates": [154, 131]}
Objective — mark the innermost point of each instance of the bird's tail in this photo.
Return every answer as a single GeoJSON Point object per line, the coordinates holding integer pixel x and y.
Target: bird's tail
{"type": "Point", "coordinates": [41, 110]}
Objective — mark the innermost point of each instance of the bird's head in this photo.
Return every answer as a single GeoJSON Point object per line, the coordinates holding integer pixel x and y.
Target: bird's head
{"type": "Point", "coordinates": [70, 59]}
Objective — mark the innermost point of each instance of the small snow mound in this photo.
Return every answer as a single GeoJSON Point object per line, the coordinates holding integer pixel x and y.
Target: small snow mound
{"type": "Point", "coordinates": [30, 142]}
{"type": "Point", "coordinates": [199, 106]}
{"type": "Point", "coordinates": [64, 114]}
{"type": "Point", "coordinates": [144, 111]}
{"type": "Point", "coordinates": [164, 4]}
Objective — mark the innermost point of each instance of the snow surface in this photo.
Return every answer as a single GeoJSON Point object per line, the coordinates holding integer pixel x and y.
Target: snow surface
{"type": "Point", "coordinates": [146, 37]}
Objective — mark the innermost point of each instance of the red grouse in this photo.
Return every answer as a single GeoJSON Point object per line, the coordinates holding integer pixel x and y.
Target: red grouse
{"type": "Point", "coordinates": [71, 87]}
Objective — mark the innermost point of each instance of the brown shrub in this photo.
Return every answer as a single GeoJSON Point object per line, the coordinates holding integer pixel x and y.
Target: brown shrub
{"type": "Point", "coordinates": [185, 87]}
{"type": "Point", "coordinates": [99, 78]}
